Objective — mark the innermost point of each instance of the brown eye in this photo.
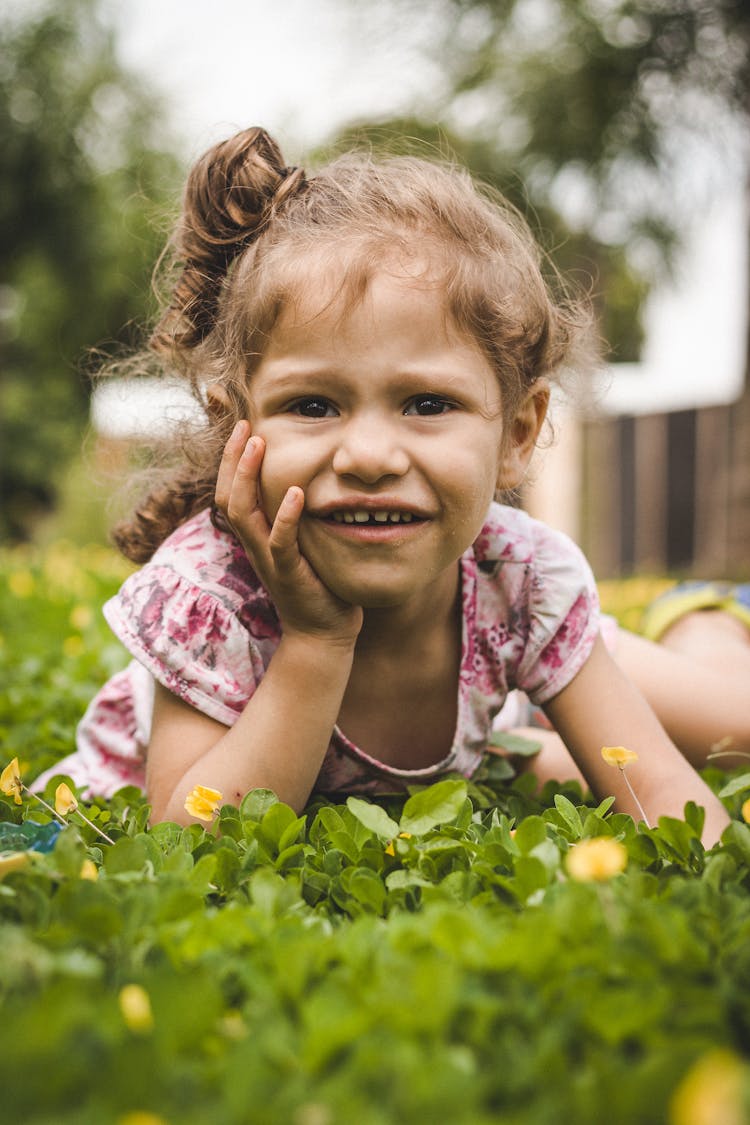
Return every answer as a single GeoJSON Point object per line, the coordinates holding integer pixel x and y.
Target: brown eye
{"type": "Point", "coordinates": [426, 405]}
{"type": "Point", "coordinates": [313, 408]}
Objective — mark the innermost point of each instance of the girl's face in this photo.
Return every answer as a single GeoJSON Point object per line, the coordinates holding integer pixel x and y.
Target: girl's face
{"type": "Point", "coordinates": [389, 418]}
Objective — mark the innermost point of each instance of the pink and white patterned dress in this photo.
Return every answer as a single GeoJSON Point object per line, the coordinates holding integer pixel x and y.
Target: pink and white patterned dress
{"type": "Point", "coordinates": [197, 619]}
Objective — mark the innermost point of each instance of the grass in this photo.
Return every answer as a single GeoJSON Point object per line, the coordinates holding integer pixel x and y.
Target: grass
{"type": "Point", "coordinates": [474, 954]}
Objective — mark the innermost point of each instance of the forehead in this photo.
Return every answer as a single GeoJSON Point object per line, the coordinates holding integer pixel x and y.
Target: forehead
{"type": "Point", "coordinates": [343, 292]}
{"type": "Point", "coordinates": [397, 333]}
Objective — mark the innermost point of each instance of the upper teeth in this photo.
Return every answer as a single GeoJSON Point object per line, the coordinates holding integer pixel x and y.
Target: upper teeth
{"type": "Point", "coordinates": [361, 516]}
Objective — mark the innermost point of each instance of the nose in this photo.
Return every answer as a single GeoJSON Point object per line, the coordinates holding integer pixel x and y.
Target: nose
{"type": "Point", "coordinates": [370, 449]}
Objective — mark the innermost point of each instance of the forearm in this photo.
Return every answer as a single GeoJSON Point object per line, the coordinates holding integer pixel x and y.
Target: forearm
{"type": "Point", "coordinates": [601, 707]}
{"type": "Point", "coordinates": [659, 784]}
{"type": "Point", "coordinates": [662, 786]}
{"type": "Point", "coordinates": [280, 739]}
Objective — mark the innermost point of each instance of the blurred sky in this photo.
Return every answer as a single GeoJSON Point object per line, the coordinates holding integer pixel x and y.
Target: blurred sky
{"type": "Point", "coordinates": [301, 68]}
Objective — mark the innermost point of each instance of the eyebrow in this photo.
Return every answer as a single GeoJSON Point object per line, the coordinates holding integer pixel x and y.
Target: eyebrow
{"type": "Point", "coordinates": [281, 372]}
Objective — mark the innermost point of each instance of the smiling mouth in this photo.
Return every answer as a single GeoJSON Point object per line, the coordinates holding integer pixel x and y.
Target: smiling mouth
{"type": "Point", "coordinates": [372, 518]}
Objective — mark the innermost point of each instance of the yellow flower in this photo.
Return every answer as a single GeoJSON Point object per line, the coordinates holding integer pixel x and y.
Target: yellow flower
{"type": "Point", "coordinates": [618, 756]}
{"type": "Point", "coordinates": [141, 1117]}
{"type": "Point", "coordinates": [81, 617]}
{"type": "Point", "coordinates": [746, 811]}
{"type": "Point", "coordinates": [711, 1091]}
{"type": "Point", "coordinates": [12, 861]}
{"type": "Point", "coordinates": [21, 583]}
{"type": "Point", "coordinates": [202, 802]}
{"type": "Point", "coordinates": [233, 1026]}
{"type": "Point", "coordinates": [135, 1006]}
{"type": "Point", "coordinates": [10, 781]}
{"type": "Point", "coordinates": [73, 646]}
{"type": "Point", "coordinates": [596, 860]}
{"type": "Point", "coordinates": [389, 849]}
{"type": "Point", "coordinates": [89, 870]}
{"type": "Point", "coordinates": [65, 799]}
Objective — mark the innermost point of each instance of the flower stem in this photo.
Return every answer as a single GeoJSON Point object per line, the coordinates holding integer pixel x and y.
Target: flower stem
{"type": "Point", "coordinates": [91, 824]}
{"type": "Point", "coordinates": [49, 808]}
{"type": "Point", "coordinates": [632, 794]}
{"type": "Point", "coordinates": [62, 820]}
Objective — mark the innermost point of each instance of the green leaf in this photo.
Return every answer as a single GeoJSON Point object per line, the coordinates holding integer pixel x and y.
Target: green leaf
{"type": "Point", "coordinates": [403, 877]}
{"type": "Point", "coordinates": [289, 857]}
{"type": "Point", "coordinates": [294, 830]}
{"type": "Point", "coordinates": [695, 815]}
{"type": "Point", "coordinates": [531, 875]}
{"type": "Point", "coordinates": [256, 803]}
{"type": "Point", "coordinates": [677, 834]}
{"type": "Point", "coordinates": [736, 838]}
{"type": "Point", "coordinates": [436, 805]}
{"type": "Point", "coordinates": [373, 817]}
{"type": "Point", "coordinates": [126, 855]}
{"type": "Point", "coordinates": [515, 743]}
{"type": "Point", "coordinates": [548, 853]}
{"type": "Point", "coordinates": [603, 807]}
{"type": "Point", "coordinates": [275, 827]}
{"type": "Point", "coordinates": [736, 785]}
{"type": "Point", "coordinates": [569, 813]}
{"type": "Point", "coordinates": [200, 879]}
{"type": "Point", "coordinates": [365, 887]}
{"type": "Point", "coordinates": [531, 832]}
{"type": "Point", "coordinates": [496, 769]}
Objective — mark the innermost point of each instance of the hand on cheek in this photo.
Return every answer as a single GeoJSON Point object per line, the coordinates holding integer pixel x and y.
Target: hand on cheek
{"type": "Point", "coordinates": [304, 604]}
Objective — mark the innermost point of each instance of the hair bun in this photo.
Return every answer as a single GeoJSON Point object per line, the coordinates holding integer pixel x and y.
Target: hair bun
{"type": "Point", "coordinates": [232, 192]}
{"type": "Point", "coordinates": [228, 193]}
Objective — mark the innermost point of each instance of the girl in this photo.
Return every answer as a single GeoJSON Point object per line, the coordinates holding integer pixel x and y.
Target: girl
{"type": "Point", "coordinates": [332, 600]}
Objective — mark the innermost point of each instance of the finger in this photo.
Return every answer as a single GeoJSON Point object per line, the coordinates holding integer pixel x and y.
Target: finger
{"type": "Point", "coordinates": [282, 541]}
{"type": "Point", "coordinates": [244, 494]}
{"type": "Point", "coordinates": [233, 451]}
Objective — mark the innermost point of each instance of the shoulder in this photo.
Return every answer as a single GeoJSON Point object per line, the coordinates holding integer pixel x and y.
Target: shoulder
{"type": "Point", "coordinates": [201, 552]}
{"type": "Point", "coordinates": [530, 573]}
{"type": "Point", "coordinates": [538, 582]}
{"type": "Point", "coordinates": [198, 619]}
{"type": "Point", "coordinates": [511, 540]}
{"type": "Point", "coordinates": [198, 572]}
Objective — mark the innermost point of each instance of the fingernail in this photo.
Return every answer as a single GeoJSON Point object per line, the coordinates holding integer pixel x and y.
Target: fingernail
{"type": "Point", "coordinates": [251, 443]}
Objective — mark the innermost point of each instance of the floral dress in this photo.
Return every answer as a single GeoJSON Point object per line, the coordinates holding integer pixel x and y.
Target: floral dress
{"type": "Point", "coordinates": [197, 619]}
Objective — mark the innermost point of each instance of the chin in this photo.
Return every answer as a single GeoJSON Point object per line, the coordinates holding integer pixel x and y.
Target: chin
{"type": "Point", "coordinates": [368, 596]}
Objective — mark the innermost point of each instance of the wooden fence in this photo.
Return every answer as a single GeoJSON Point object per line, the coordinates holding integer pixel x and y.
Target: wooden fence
{"type": "Point", "coordinates": [667, 492]}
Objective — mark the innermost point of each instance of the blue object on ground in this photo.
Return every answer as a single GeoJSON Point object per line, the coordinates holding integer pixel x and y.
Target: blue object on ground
{"type": "Point", "coordinates": [28, 837]}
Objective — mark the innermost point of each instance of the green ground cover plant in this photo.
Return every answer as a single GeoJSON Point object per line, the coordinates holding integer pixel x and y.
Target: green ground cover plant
{"type": "Point", "coordinates": [460, 955]}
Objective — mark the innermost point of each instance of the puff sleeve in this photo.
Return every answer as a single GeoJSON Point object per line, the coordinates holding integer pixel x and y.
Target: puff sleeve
{"type": "Point", "coordinates": [563, 616]}
{"type": "Point", "coordinates": [209, 647]}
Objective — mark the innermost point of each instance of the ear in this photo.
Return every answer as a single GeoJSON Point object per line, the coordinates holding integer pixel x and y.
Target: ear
{"type": "Point", "coordinates": [521, 434]}
{"type": "Point", "coordinates": [217, 402]}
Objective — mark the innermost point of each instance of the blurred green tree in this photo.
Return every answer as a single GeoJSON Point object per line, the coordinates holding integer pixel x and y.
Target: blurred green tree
{"type": "Point", "coordinates": [618, 117]}
{"type": "Point", "coordinates": [86, 164]}
{"type": "Point", "coordinates": [625, 95]}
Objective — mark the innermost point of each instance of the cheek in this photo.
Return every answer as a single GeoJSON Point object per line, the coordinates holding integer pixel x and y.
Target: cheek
{"type": "Point", "coordinates": [274, 479]}
{"type": "Point", "coordinates": [284, 464]}
{"type": "Point", "coordinates": [474, 472]}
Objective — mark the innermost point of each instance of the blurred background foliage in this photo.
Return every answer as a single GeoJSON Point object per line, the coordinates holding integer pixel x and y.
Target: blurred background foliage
{"type": "Point", "coordinates": [610, 123]}
{"type": "Point", "coordinates": [87, 170]}
{"type": "Point", "coordinates": [605, 121]}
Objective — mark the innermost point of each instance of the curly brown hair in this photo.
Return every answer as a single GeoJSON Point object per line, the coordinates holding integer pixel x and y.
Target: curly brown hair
{"type": "Point", "coordinates": [255, 234]}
